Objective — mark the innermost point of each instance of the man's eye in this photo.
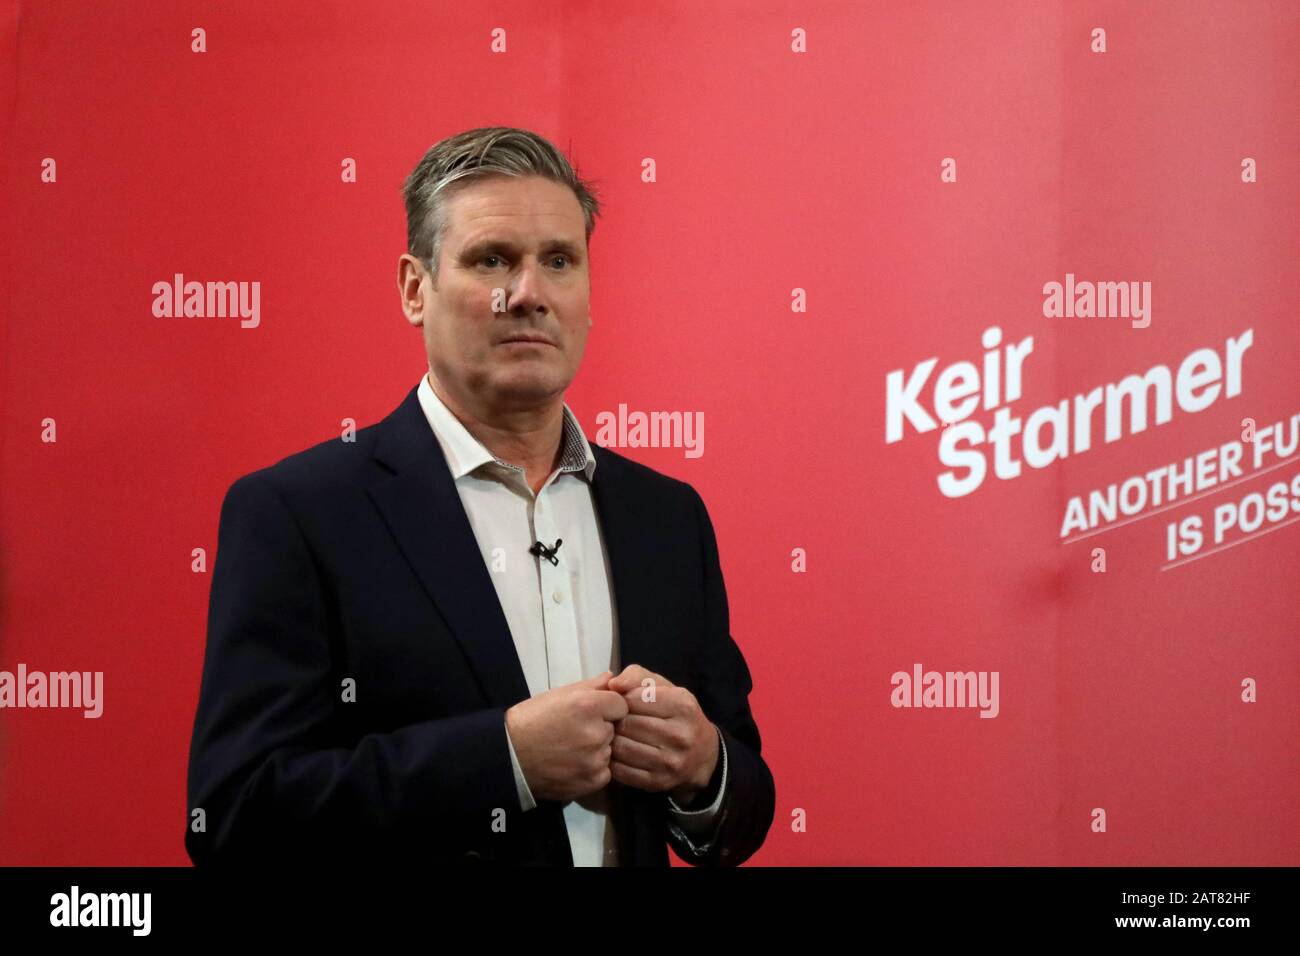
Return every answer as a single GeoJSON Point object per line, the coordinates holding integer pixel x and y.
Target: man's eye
{"type": "Point", "coordinates": [490, 260]}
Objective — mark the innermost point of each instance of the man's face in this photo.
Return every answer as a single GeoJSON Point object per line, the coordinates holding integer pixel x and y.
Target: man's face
{"type": "Point", "coordinates": [518, 242]}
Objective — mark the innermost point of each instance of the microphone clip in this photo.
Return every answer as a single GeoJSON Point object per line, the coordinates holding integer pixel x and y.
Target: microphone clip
{"type": "Point", "coordinates": [541, 550]}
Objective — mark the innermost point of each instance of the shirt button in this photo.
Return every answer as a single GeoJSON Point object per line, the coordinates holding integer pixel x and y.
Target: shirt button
{"type": "Point", "coordinates": [557, 596]}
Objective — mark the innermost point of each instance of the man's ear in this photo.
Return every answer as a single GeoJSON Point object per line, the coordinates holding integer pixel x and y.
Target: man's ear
{"type": "Point", "coordinates": [409, 270]}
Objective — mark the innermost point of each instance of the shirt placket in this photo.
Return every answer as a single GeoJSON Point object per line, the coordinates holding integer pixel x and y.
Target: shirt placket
{"type": "Point", "coordinates": [559, 619]}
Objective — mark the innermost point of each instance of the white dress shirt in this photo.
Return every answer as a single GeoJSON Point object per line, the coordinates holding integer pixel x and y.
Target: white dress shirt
{"type": "Point", "coordinates": [561, 616]}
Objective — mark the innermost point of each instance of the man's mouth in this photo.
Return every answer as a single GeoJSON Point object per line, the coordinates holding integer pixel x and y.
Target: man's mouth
{"type": "Point", "coordinates": [527, 340]}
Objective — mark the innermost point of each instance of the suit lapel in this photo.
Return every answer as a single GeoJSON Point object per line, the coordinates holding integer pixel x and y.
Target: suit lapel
{"type": "Point", "coordinates": [635, 813]}
{"type": "Point", "coordinates": [620, 525]}
{"type": "Point", "coordinates": [423, 511]}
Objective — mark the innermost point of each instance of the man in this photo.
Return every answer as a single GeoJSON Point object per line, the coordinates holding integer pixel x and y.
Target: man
{"type": "Point", "coordinates": [469, 634]}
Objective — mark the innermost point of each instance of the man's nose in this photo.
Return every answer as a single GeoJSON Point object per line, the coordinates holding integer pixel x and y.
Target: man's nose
{"type": "Point", "coordinates": [525, 289]}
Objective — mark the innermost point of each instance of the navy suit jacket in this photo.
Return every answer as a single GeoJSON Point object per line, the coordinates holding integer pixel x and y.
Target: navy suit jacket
{"type": "Point", "coordinates": [355, 560]}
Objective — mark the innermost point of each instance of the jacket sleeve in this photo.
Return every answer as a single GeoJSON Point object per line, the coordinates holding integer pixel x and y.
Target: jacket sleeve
{"type": "Point", "coordinates": [271, 766]}
{"type": "Point", "coordinates": [724, 684]}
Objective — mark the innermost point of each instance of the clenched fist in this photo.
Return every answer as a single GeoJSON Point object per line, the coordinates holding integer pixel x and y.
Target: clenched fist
{"type": "Point", "coordinates": [666, 743]}
{"type": "Point", "coordinates": [562, 737]}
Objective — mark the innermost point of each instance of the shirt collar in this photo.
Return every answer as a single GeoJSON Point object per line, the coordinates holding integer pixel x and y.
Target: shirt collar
{"type": "Point", "coordinates": [465, 453]}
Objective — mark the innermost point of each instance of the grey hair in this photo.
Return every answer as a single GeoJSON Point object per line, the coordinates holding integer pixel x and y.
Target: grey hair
{"type": "Point", "coordinates": [474, 154]}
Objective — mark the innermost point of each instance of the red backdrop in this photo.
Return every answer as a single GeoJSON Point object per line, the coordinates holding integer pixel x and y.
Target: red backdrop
{"type": "Point", "coordinates": [776, 168]}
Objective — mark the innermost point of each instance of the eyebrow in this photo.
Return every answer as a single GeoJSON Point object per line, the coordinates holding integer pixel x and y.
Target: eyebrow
{"type": "Point", "coordinates": [485, 246]}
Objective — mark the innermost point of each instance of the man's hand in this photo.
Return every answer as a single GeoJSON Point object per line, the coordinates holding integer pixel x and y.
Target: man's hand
{"type": "Point", "coordinates": [562, 738]}
{"type": "Point", "coordinates": [665, 742]}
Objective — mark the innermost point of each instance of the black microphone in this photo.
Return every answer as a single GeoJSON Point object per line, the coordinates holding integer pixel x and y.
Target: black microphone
{"type": "Point", "coordinates": [543, 551]}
